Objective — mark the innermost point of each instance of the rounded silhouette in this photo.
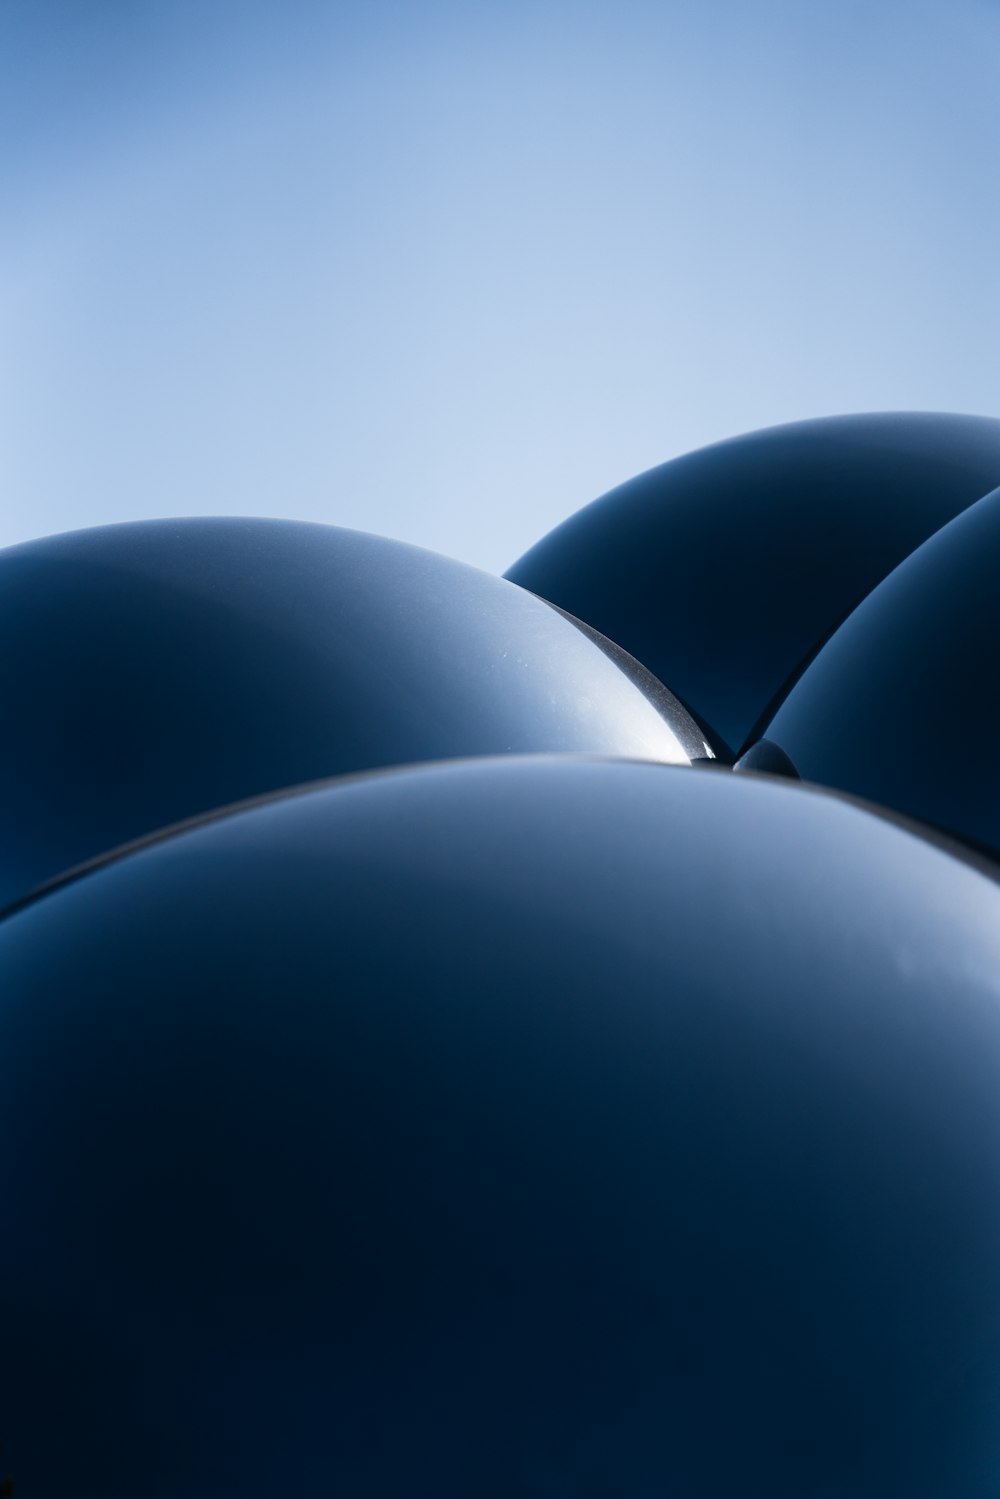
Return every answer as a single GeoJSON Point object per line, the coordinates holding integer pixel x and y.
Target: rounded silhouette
{"type": "Point", "coordinates": [506, 1127]}
{"type": "Point", "coordinates": [724, 571]}
{"type": "Point", "coordinates": [900, 706]}
{"type": "Point", "coordinates": [151, 672]}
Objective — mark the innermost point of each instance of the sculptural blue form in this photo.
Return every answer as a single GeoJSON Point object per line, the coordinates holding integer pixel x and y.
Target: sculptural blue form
{"type": "Point", "coordinates": [510, 1126]}
{"type": "Point", "coordinates": [900, 705]}
{"type": "Point", "coordinates": [541, 1123]}
{"type": "Point", "coordinates": [725, 570]}
{"type": "Point", "coordinates": [153, 672]}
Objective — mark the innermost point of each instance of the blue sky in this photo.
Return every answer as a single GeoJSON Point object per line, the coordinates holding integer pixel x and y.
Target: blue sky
{"type": "Point", "coordinates": [447, 272]}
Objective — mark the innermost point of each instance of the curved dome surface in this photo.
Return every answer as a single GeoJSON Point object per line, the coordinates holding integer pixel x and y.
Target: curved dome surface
{"type": "Point", "coordinates": [724, 570]}
{"type": "Point", "coordinates": [151, 672]}
{"type": "Point", "coordinates": [507, 1127]}
{"type": "Point", "coordinates": [901, 704]}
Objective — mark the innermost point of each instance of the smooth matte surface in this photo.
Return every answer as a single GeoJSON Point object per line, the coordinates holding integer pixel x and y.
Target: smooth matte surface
{"type": "Point", "coordinates": [151, 672]}
{"type": "Point", "coordinates": [901, 706]}
{"type": "Point", "coordinates": [724, 570]}
{"type": "Point", "coordinates": [509, 1128]}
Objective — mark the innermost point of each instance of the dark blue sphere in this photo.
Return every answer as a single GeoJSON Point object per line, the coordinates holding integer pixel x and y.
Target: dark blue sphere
{"type": "Point", "coordinates": [152, 672]}
{"type": "Point", "coordinates": [522, 1127]}
{"type": "Point", "coordinates": [725, 570]}
{"type": "Point", "coordinates": [901, 704]}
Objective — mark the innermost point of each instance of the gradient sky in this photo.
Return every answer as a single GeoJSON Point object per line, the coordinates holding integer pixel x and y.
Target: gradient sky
{"type": "Point", "coordinates": [448, 271]}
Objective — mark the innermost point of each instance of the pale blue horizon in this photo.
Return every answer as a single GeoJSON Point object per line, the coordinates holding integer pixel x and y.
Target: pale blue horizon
{"type": "Point", "coordinates": [449, 272]}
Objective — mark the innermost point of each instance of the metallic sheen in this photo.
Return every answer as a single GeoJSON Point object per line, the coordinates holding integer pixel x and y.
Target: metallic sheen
{"type": "Point", "coordinates": [725, 570]}
{"type": "Point", "coordinates": [901, 706]}
{"type": "Point", "coordinates": [505, 1128]}
{"type": "Point", "coordinates": [151, 672]}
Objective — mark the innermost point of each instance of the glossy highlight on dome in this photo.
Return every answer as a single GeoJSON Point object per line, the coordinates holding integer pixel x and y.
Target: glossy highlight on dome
{"type": "Point", "coordinates": [427, 1068]}
{"type": "Point", "coordinates": [723, 571]}
{"type": "Point", "coordinates": [153, 672]}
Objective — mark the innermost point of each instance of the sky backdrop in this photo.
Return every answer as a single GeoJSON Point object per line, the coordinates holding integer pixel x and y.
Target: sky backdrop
{"type": "Point", "coordinates": [448, 271]}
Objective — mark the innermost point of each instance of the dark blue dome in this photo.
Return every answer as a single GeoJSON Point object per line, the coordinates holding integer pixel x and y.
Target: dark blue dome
{"type": "Point", "coordinates": [151, 672]}
{"type": "Point", "coordinates": [500, 1128]}
{"type": "Point", "coordinates": [726, 569]}
{"type": "Point", "coordinates": [901, 705]}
